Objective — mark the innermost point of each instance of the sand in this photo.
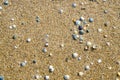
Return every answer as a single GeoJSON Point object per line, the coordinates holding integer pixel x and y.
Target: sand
{"type": "Point", "coordinates": [60, 28]}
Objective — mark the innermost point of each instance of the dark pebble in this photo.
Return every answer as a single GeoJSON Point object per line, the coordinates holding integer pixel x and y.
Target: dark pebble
{"type": "Point", "coordinates": [80, 27]}
{"type": "Point", "coordinates": [81, 32]}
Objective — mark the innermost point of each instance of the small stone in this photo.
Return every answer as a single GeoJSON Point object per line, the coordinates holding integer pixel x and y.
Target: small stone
{"type": "Point", "coordinates": [46, 78]}
{"type": "Point", "coordinates": [74, 36]}
{"type": "Point", "coordinates": [99, 60]}
{"type": "Point", "coordinates": [87, 31]}
{"type": "Point", "coordinates": [87, 67]}
{"type": "Point", "coordinates": [82, 18]}
{"type": "Point", "coordinates": [86, 48]}
{"type": "Point", "coordinates": [105, 36]}
{"type": "Point", "coordinates": [37, 19]}
{"type": "Point", "coordinates": [80, 74]}
{"type": "Point", "coordinates": [37, 76]}
{"type": "Point", "coordinates": [74, 5]}
{"type": "Point", "coordinates": [108, 43]}
{"type": "Point", "coordinates": [79, 58]}
{"type": "Point", "coordinates": [1, 8]}
{"type": "Point", "coordinates": [15, 47]}
{"type": "Point", "coordinates": [46, 44]}
{"type": "Point", "coordinates": [12, 19]}
{"type": "Point", "coordinates": [99, 30]}
{"type": "Point", "coordinates": [14, 36]}
{"type": "Point", "coordinates": [110, 67]}
{"type": "Point", "coordinates": [34, 61]}
{"type": "Point", "coordinates": [77, 22]}
{"type": "Point", "coordinates": [44, 50]}
{"type": "Point", "coordinates": [61, 11]}
{"type": "Point", "coordinates": [50, 54]}
{"type": "Point", "coordinates": [91, 19]}
{"type": "Point", "coordinates": [105, 11]}
{"type": "Point", "coordinates": [22, 64]}
{"type": "Point", "coordinates": [106, 24]}
{"type": "Point", "coordinates": [51, 68]}
{"type": "Point", "coordinates": [88, 43]}
{"type": "Point", "coordinates": [6, 2]}
{"type": "Point", "coordinates": [75, 32]}
{"type": "Point", "coordinates": [94, 47]}
{"type": "Point", "coordinates": [81, 32]}
{"type": "Point", "coordinates": [14, 26]}
{"type": "Point", "coordinates": [118, 74]}
{"type": "Point", "coordinates": [62, 45]}
{"type": "Point", "coordinates": [1, 78]}
{"type": "Point", "coordinates": [28, 40]}
{"type": "Point", "coordinates": [66, 77]}
{"type": "Point", "coordinates": [75, 55]}
{"type": "Point", "coordinates": [80, 27]}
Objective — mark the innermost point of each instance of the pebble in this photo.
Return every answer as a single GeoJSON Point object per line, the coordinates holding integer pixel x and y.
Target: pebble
{"type": "Point", "coordinates": [82, 18]}
{"type": "Point", "coordinates": [37, 19]}
{"type": "Point", "coordinates": [44, 50]}
{"type": "Point", "coordinates": [105, 36]}
{"type": "Point", "coordinates": [87, 67]}
{"type": "Point", "coordinates": [51, 68]}
{"type": "Point", "coordinates": [50, 54]}
{"type": "Point", "coordinates": [77, 22]}
{"type": "Point", "coordinates": [99, 60]}
{"type": "Point", "coordinates": [1, 8]}
{"type": "Point", "coordinates": [14, 36]}
{"type": "Point", "coordinates": [88, 43]}
{"type": "Point", "coordinates": [46, 44]}
{"type": "Point", "coordinates": [105, 11]}
{"type": "Point", "coordinates": [75, 55]}
{"type": "Point", "coordinates": [106, 24]}
{"type": "Point", "coordinates": [66, 77]}
{"type": "Point", "coordinates": [80, 74]}
{"type": "Point", "coordinates": [37, 76]}
{"type": "Point", "coordinates": [86, 48]}
{"type": "Point", "coordinates": [14, 26]}
{"type": "Point", "coordinates": [80, 27]}
{"type": "Point", "coordinates": [74, 5]}
{"type": "Point", "coordinates": [12, 19]}
{"type": "Point", "coordinates": [118, 74]}
{"type": "Point", "coordinates": [15, 47]}
{"type": "Point", "coordinates": [61, 11]}
{"type": "Point", "coordinates": [87, 31]}
{"type": "Point", "coordinates": [1, 78]}
{"type": "Point", "coordinates": [6, 2]}
{"type": "Point", "coordinates": [75, 32]}
{"type": "Point", "coordinates": [28, 40]}
{"type": "Point", "coordinates": [22, 64]}
{"type": "Point", "coordinates": [108, 43]}
{"type": "Point", "coordinates": [94, 47]}
{"type": "Point", "coordinates": [46, 78]}
{"type": "Point", "coordinates": [91, 19]}
{"type": "Point", "coordinates": [62, 45]}
{"type": "Point", "coordinates": [34, 61]}
{"type": "Point", "coordinates": [81, 32]}
{"type": "Point", "coordinates": [74, 36]}
{"type": "Point", "coordinates": [79, 58]}
{"type": "Point", "coordinates": [99, 30]}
